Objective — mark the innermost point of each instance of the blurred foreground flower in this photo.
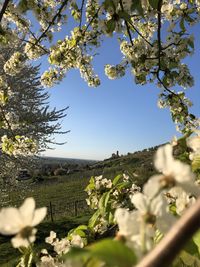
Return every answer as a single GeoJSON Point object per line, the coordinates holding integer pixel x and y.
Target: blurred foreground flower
{"type": "Point", "coordinates": [21, 222]}
{"type": "Point", "coordinates": [173, 173]}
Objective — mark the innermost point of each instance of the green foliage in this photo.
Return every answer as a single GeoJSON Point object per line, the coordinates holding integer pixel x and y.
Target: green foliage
{"type": "Point", "coordinates": [109, 251]}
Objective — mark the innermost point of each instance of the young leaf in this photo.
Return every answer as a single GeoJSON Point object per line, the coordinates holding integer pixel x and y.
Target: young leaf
{"type": "Point", "coordinates": [113, 252]}
{"type": "Point", "coordinates": [93, 219]}
{"type": "Point", "coordinates": [103, 202]}
{"type": "Point", "coordinates": [116, 179]}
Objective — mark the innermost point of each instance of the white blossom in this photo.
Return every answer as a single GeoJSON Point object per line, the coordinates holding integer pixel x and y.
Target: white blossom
{"type": "Point", "coordinates": [21, 222]}
{"type": "Point", "coordinates": [174, 172]}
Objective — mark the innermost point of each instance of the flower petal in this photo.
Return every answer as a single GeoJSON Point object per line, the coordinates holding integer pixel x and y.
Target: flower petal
{"type": "Point", "coordinates": [39, 215]}
{"type": "Point", "coordinates": [140, 202]}
{"type": "Point", "coordinates": [164, 159]}
{"type": "Point", "coordinates": [127, 222]}
{"type": "Point", "coordinates": [10, 221]}
{"type": "Point", "coordinates": [27, 211]}
{"type": "Point", "coordinates": [152, 186]}
{"type": "Point", "coordinates": [18, 241]}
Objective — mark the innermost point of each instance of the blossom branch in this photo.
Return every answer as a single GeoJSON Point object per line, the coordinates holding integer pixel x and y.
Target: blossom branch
{"type": "Point", "coordinates": [52, 21]}
{"type": "Point", "coordinates": [168, 248]}
{"type": "Point", "coordinates": [139, 33]}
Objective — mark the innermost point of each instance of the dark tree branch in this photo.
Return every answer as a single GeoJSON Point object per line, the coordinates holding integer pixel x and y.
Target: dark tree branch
{"type": "Point", "coordinates": [139, 33]}
{"type": "Point", "coordinates": [160, 53]}
{"type": "Point", "coordinates": [4, 9]}
{"type": "Point", "coordinates": [81, 10]}
{"type": "Point", "coordinates": [126, 23]}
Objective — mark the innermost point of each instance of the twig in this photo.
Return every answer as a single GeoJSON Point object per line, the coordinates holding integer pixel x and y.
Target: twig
{"type": "Point", "coordinates": [126, 23]}
{"type": "Point", "coordinates": [160, 48]}
{"type": "Point", "coordinates": [4, 9]}
{"type": "Point", "coordinates": [168, 248]}
{"type": "Point", "coordinates": [52, 22]}
{"type": "Point", "coordinates": [139, 33]}
{"type": "Point", "coordinates": [81, 10]}
{"type": "Point", "coordinates": [159, 34]}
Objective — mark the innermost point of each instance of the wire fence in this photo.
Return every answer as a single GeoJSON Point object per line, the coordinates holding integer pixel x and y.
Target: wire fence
{"type": "Point", "coordinates": [57, 208]}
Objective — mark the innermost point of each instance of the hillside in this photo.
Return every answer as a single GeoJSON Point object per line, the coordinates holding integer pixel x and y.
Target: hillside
{"type": "Point", "coordinates": [62, 189]}
{"type": "Point", "coordinates": [64, 194]}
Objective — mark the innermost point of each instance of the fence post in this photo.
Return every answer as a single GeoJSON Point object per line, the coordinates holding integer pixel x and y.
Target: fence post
{"type": "Point", "coordinates": [51, 211]}
{"type": "Point", "coordinates": [76, 208]}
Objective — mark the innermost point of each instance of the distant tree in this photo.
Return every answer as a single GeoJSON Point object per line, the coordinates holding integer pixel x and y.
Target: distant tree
{"type": "Point", "coordinates": [28, 110]}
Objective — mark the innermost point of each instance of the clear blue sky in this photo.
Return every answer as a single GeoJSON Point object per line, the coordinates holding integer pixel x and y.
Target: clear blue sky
{"type": "Point", "coordinates": [118, 115]}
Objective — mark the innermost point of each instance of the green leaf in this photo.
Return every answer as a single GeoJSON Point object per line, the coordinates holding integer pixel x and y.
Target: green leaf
{"type": "Point", "coordinates": [191, 247]}
{"type": "Point", "coordinates": [196, 239]}
{"type": "Point", "coordinates": [111, 217]}
{"type": "Point", "coordinates": [93, 219]}
{"type": "Point", "coordinates": [138, 6]}
{"type": "Point", "coordinates": [154, 3]}
{"type": "Point", "coordinates": [82, 227]}
{"type": "Point", "coordinates": [124, 15]}
{"type": "Point", "coordinates": [113, 252]}
{"type": "Point", "coordinates": [103, 202]}
{"type": "Point", "coordinates": [116, 179]}
{"type": "Point", "coordinates": [110, 26]}
{"type": "Point", "coordinates": [189, 259]}
{"type": "Point", "coordinates": [23, 6]}
{"type": "Point", "coordinates": [182, 25]}
{"type": "Point", "coordinates": [191, 43]}
{"type": "Point", "coordinates": [124, 184]}
{"type": "Point", "coordinates": [196, 163]}
{"type": "Point", "coordinates": [77, 253]}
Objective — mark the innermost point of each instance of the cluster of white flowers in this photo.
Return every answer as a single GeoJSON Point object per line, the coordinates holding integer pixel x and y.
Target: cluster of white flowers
{"type": "Point", "coordinates": [33, 51]}
{"type": "Point", "coordinates": [64, 245]}
{"type": "Point", "coordinates": [114, 72]}
{"type": "Point", "coordinates": [19, 145]}
{"type": "Point", "coordinates": [174, 186]}
{"type": "Point", "coordinates": [49, 78]}
{"type": "Point", "coordinates": [68, 54]}
{"type": "Point", "coordinates": [100, 185]}
{"type": "Point", "coordinates": [13, 14]}
{"type": "Point", "coordinates": [14, 64]}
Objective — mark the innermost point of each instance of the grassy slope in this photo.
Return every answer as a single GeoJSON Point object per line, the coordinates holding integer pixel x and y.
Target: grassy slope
{"type": "Point", "coordinates": [69, 188]}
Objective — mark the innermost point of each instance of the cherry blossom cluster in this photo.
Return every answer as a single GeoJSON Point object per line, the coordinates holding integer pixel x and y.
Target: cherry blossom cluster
{"type": "Point", "coordinates": [18, 145]}
{"type": "Point", "coordinates": [14, 64]}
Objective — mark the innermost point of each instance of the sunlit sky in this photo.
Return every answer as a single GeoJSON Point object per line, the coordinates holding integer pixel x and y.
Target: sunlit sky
{"type": "Point", "coordinates": [117, 115]}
